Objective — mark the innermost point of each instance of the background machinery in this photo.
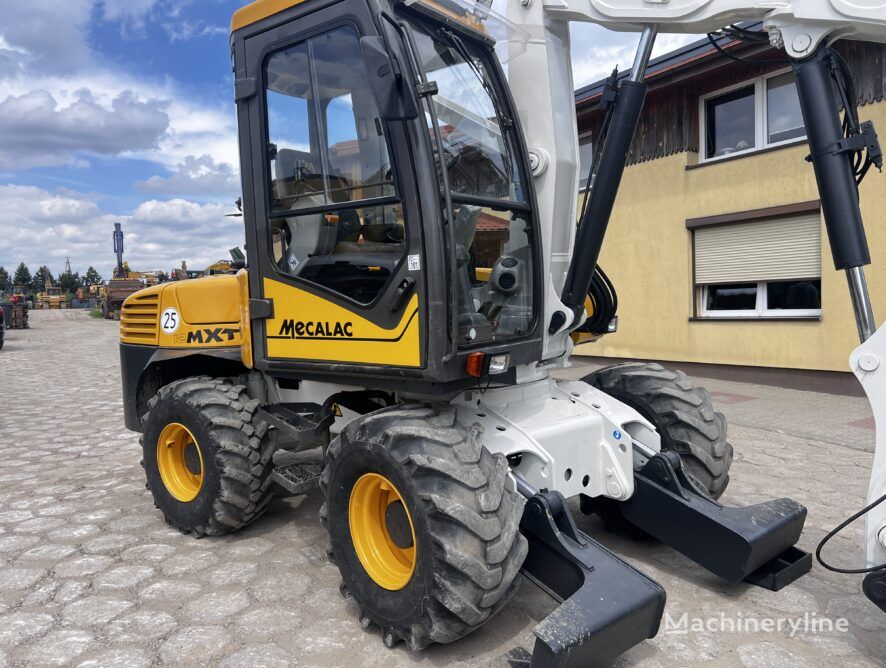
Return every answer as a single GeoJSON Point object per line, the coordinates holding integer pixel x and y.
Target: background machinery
{"type": "Point", "coordinates": [15, 311]}
{"type": "Point", "coordinates": [52, 297]}
{"type": "Point", "coordinates": [375, 327]}
{"type": "Point", "coordinates": [122, 283]}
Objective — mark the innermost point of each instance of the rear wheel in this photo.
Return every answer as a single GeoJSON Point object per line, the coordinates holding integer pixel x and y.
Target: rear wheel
{"type": "Point", "coordinates": [207, 463]}
{"type": "Point", "coordinates": [681, 412]}
{"type": "Point", "coordinates": [423, 523]}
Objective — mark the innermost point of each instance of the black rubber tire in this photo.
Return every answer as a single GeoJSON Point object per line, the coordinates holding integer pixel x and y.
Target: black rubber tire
{"type": "Point", "coordinates": [237, 459]}
{"type": "Point", "coordinates": [466, 514]}
{"type": "Point", "coordinates": [681, 412]}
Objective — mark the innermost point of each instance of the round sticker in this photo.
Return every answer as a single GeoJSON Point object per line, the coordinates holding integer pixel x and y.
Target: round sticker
{"type": "Point", "coordinates": [169, 320]}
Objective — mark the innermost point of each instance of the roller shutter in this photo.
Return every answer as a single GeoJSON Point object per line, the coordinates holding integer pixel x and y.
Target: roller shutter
{"type": "Point", "coordinates": [779, 249]}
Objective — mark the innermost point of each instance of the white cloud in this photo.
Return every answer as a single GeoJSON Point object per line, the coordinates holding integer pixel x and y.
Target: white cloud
{"type": "Point", "coordinates": [192, 129]}
{"type": "Point", "coordinates": [35, 131]}
{"type": "Point", "coordinates": [48, 35]}
{"type": "Point", "coordinates": [131, 14]}
{"type": "Point", "coordinates": [596, 50]}
{"type": "Point", "coordinates": [44, 48]}
{"type": "Point", "coordinates": [182, 30]}
{"type": "Point", "coordinates": [197, 177]}
{"type": "Point", "coordinates": [44, 227]}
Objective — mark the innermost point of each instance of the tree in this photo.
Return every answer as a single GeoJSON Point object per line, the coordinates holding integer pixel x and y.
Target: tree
{"type": "Point", "coordinates": [22, 276]}
{"type": "Point", "coordinates": [70, 282]}
{"type": "Point", "coordinates": [92, 277]}
{"type": "Point", "coordinates": [40, 277]}
{"type": "Point", "coordinates": [5, 284]}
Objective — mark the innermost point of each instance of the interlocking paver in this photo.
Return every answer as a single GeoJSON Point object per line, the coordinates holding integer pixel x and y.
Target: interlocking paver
{"type": "Point", "coordinates": [91, 575]}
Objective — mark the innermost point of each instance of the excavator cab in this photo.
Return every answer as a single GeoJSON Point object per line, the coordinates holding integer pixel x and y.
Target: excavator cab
{"type": "Point", "coordinates": [387, 197]}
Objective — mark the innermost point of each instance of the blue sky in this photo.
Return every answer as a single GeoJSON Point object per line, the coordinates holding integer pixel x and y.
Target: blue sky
{"type": "Point", "coordinates": [122, 110]}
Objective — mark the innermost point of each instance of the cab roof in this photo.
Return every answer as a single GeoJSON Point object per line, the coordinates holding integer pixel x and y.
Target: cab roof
{"type": "Point", "coordinates": [258, 10]}
{"type": "Point", "coordinates": [262, 9]}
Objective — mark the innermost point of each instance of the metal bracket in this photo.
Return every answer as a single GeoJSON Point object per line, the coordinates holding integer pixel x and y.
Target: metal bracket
{"type": "Point", "coordinates": [260, 309]}
{"type": "Point", "coordinates": [426, 89]}
{"type": "Point", "coordinates": [865, 139]}
{"type": "Point", "coordinates": [244, 88]}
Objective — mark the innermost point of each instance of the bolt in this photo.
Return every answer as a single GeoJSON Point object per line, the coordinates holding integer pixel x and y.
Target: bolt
{"type": "Point", "coordinates": [801, 43]}
{"type": "Point", "coordinates": [868, 362]}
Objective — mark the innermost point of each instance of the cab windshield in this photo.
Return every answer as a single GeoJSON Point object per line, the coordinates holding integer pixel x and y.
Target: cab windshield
{"type": "Point", "coordinates": [475, 144]}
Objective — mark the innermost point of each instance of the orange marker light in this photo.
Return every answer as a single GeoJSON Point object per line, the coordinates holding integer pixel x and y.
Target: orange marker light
{"type": "Point", "coordinates": [474, 364]}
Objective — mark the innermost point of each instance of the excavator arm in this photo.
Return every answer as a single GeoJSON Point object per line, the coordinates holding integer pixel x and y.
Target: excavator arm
{"type": "Point", "coordinates": [804, 29]}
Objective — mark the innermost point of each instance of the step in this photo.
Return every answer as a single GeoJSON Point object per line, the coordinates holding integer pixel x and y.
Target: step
{"type": "Point", "coordinates": [299, 478]}
{"type": "Point", "coordinates": [300, 421]}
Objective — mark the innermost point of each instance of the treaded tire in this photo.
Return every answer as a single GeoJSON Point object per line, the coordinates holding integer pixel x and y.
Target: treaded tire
{"type": "Point", "coordinates": [237, 458]}
{"type": "Point", "coordinates": [466, 514]}
{"type": "Point", "coordinates": [681, 412]}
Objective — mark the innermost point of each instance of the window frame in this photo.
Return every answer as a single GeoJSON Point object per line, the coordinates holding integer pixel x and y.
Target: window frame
{"type": "Point", "coordinates": [761, 310]}
{"type": "Point", "coordinates": [317, 128]}
{"type": "Point", "coordinates": [761, 118]}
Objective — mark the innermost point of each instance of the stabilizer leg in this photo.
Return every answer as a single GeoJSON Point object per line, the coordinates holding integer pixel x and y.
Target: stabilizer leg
{"type": "Point", "coordinates": [608, 606]}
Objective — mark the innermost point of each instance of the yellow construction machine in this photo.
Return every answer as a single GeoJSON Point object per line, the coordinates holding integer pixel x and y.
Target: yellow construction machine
{"type": "Point", "coordinates": [415, 275]}
{"type": "Point", "coordinates": [52, 297]}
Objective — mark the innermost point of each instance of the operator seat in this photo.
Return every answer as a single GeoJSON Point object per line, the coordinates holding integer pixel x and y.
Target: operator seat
{"type": "Point", "coordinates": [302, 188]}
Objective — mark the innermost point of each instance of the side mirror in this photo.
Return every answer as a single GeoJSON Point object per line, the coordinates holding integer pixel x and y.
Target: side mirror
{"type": "Point", "coordinates": [396, 99]}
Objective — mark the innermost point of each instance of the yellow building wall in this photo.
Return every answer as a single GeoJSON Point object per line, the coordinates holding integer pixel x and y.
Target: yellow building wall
{"type": "Point", "coordinates": [648, 255]}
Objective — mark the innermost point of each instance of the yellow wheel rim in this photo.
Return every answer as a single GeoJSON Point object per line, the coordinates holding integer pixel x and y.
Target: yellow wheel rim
{"type": "Point", "coordinates": [180, 462]}
{"type": "Point", "coordinates": [382, 531]}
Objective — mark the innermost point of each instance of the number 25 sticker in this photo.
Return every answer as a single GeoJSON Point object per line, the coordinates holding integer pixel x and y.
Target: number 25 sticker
{"type": "Point", "coordinates": [169, 320]}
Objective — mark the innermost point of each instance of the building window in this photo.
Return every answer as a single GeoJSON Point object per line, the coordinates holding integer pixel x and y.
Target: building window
{"type": "Point", "coordinates": [776, 299]}
{"type": "Point", "coordinates": [761, 269]}
{"type": "Point", "coordinates": [751, 116]}
{"type": "Point", "coordinates": [585, 160]}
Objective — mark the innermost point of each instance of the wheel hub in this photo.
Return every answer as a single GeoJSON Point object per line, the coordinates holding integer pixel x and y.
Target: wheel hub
{"type": "Point", "coordinates": [180, 462]}
{"type": "Point", "coordinates": [398, 525]}
{"type": "Point", "coordinates": [382, 531]}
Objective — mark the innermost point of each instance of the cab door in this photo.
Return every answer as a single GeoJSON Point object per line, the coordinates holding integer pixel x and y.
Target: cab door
{"type": "Point", "coordinates": [334, 238]}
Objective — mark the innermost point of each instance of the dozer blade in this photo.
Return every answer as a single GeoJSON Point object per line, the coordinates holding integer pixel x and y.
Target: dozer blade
{"type": "Point", "coordinates": [752, 543]}
{"type": "Point", "coordinates": [607, 606]}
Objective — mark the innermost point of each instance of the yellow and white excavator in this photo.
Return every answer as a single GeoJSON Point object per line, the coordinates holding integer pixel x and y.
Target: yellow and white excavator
{"type": "Point", "coordinates": [415, 275]}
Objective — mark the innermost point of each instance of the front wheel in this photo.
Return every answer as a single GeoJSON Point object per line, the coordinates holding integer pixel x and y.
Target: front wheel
{"type": "Point", "coordinates": [423, 523]}
{"type": "Point", "coordinates": [682, 414]}
{"type": "Point", "coordinates": [206, 460]}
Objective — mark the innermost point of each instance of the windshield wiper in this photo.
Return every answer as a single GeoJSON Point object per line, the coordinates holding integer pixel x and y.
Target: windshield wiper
{"type": "Point", "coordinates": [463, 51]}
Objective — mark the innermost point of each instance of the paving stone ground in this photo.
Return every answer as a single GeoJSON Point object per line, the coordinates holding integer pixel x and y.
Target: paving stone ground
{"type": "Point", "coordinates": [90, 575]}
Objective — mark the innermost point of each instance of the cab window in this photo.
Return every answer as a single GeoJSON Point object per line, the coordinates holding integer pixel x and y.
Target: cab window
{"type": "Point", "coordinates": [335, 220]}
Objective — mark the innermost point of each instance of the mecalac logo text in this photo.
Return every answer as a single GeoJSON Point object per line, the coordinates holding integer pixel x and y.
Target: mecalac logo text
{"type": "Point", "coordinates": [297, 329]}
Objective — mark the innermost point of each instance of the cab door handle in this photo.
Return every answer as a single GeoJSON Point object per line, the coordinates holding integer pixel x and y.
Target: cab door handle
{"type": "Point", "coordinates": [407, 285]}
